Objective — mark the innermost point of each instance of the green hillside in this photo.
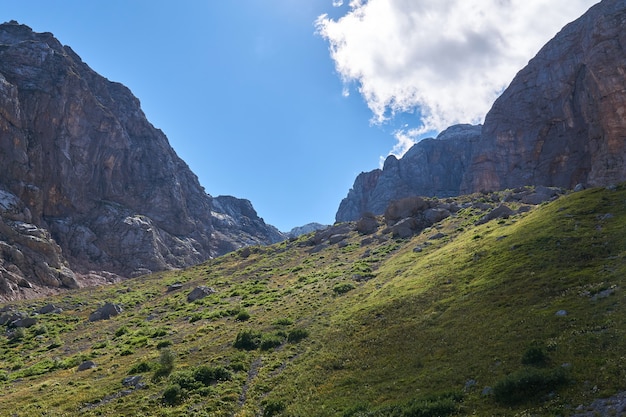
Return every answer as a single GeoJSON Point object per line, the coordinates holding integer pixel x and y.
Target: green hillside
{"type": "Point", "coordinates": [523, 316]}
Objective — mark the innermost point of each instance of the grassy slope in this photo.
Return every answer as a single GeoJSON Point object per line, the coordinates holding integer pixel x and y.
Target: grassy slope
{"type": "Point", "coordinates": [457, 316]}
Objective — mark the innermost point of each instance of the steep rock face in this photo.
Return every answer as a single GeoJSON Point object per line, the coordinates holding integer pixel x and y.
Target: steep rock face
{"type": "Point", "coordinates": [562, 121]}
{"type": "Point", "coordinates": [82, 163]}
{"type": "Point", "coordinates": [432, 167]}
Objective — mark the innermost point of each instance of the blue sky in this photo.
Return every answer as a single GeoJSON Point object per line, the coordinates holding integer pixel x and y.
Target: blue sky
{"type": "Point", "coordinates": [252, 99]}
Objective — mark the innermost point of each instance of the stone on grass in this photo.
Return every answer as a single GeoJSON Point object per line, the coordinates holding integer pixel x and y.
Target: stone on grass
{"type": "Point", "coordinates": [105, 312]}
{"type": "Point", "coordinates": [86, 365]}
{"type": "Point", "coordinates": [199, 293]}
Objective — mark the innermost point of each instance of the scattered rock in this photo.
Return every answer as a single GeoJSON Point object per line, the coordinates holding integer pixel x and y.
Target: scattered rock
{"type": "Point", "coordinates": [437, 236]}
{"type": "Point", "coordinates": [604, 294]}
{"type": "Point", "coordinates": [336, 239]}
{"type": "Point", "coordinates": [23, 322]}
{"type": "Point", "coordinates": [500, 212]}
{"type": "Point", "coordinates": [405, 208]}
{"type": "Point", "coordinates": [578, 188]}
{"type": "Point", "coordinates": [50, 309]}
{"type": "Point", "coordinates": [404, 229]}
{"type": "Point", "coordinates": [86, 365]}
{"type": "Point", "coordinates": [417, 249]}
{"type": "Point", "coordinates": [561, 313]}
{"type": "Point", "coordinates": [367, 224]}
{"type": "Point", "coordinates": [174, 287]}
{"type": "Point", "coordinates": [133, 381]}
{"type": "Point", "coordinates": [105, 312]}
{"type": "Point", "coordinates": [200, 292]}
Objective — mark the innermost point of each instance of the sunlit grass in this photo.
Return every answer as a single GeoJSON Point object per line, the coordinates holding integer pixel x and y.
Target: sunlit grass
{"type": "Point", "coordinates": [363, 328]}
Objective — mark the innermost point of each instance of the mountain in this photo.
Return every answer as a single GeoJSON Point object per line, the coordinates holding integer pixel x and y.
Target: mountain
{"type": "Point", "coordinates": [89, 189]}
{"type": "Point", "coordinates": [516, 315]}
{"type": "Point", "coordinates": [559, 123]}
{"type": "Point", "coordinates": [307, 228]}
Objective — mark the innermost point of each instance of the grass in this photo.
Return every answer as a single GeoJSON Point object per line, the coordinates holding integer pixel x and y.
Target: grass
{"type": "Point", "coordinates": [478, 306]}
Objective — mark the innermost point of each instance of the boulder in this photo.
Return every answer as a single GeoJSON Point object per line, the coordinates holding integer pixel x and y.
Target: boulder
{"type": "Point", "coordinates": [86, 366]}
{"type": "Point", "coordinates": [367, 224]}
{"type": "Point", "coordinates": [500, 212]}
{"type": "Point", "coordinates": [105, 312]}
{"type": "Point", "coordinates": [199, 293]}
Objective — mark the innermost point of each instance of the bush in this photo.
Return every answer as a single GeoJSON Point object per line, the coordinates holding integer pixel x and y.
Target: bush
{"type": "Point", "coordinates": [172, 395]}
{"type": "Point", "coordinates": [166, 364]}
{"type": "Point", "coordinates": [243, 315]}
{"type": "Point", "coordinates": [210, 375]}
{"type": "Point", "coordinates": [297, 335]}
{"type": "Point", "coordinates": [163, 344]}
{"type": "Point", "coordinates": [121, 331]}
{"type": "Point", "coordinates": [40, 330]}
{"type": "Point", "coordinates": [343, 288]}
{"type": "Point", "coordinates": [535, 356]}
{"type": "Point", "coordinates": [159, 333]}
{"type": "Point", "coordinates": [527, 384]}
{"type": "Point", "coordinates": [271, 341]}
{"type": "Point", "coordinates": [247, 340]}
{"type": "Point", "coordinates": [283, 322]}
{"type": "Point", "coordinates": [140, 368]}
{"type": "Point", "coordinates": [273, 408]}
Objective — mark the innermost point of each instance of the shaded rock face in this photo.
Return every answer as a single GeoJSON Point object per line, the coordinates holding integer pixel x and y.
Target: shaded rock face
{"type": "Point", "coordinates": [88, 184]}
{"type": "Point", "coordinates": [432, 168]}
{"type": "Point", "coordinates": [562, 121]}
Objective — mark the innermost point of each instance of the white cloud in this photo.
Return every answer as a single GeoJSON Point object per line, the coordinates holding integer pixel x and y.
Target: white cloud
{"type": "Point", "coordinates": [446, 60]}
{"type": "Point", "coordinates": [337, 3]}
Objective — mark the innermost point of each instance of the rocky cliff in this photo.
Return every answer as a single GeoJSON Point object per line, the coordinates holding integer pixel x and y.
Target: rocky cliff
{"type": "Point", "coordinates": [561, 122]}
{"type": "Point", "coordinates": [432, 168]}
{"type": "Point", "coordinates": [89, 189]}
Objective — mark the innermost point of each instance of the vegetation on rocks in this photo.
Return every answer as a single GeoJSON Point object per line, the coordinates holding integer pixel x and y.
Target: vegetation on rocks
{"type": "Point", "coordinates": [517, 316]}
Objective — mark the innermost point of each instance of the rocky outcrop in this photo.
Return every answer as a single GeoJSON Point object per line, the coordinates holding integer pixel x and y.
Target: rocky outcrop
{"type": "Point", "coordinates": [432, 167]}
{"type": "Point", "coordinates": [562, 121]}
{"type": "Point", "coordinates": [88, 187]}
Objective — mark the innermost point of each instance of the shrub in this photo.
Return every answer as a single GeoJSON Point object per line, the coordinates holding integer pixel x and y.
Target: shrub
{"type": "Point", "coordinates": [210, 375]}
{"type": "Point", "coordinates": [535, 356]}
{"type": "Point", "coordinates": [297, 335]}
{"type": "Point", "coordinates": [172, 395]}
{"type": "Point", "coordinates": [163, 344]}
{"type": "Point", "coordinates": [127, 351]}
{"type": "Point", "coordinates": [40, 330]}
{"type": "Point", "coordinates": [121, 331]}
{"type": "Point", "coordinates": [527, 384]}
{"type": "Point", "coordinates": [283, 322]}
{"type": "Point", "coordinates": [139, 368]}
{"type": "Point", "coordinates": [343, 288]}
{"type": "Point", "coordinates": [273, 408]}
{"type": "Point", "coordinates": [243, 315]}
{"type": "Point", "coordinates": [247, 340]}
{"type": "Point", "coordinates": [159, 333]}
{"type": "Point", "coordinates": [184, 380]}
{"type": "Point", "coordinates": [166, 364]}
{"type": "Point", "coordinates": [271, 341]}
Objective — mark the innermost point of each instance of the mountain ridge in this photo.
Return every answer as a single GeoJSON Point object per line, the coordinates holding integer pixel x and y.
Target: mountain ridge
{"type": "Point", "coordinates": [101, 187]}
